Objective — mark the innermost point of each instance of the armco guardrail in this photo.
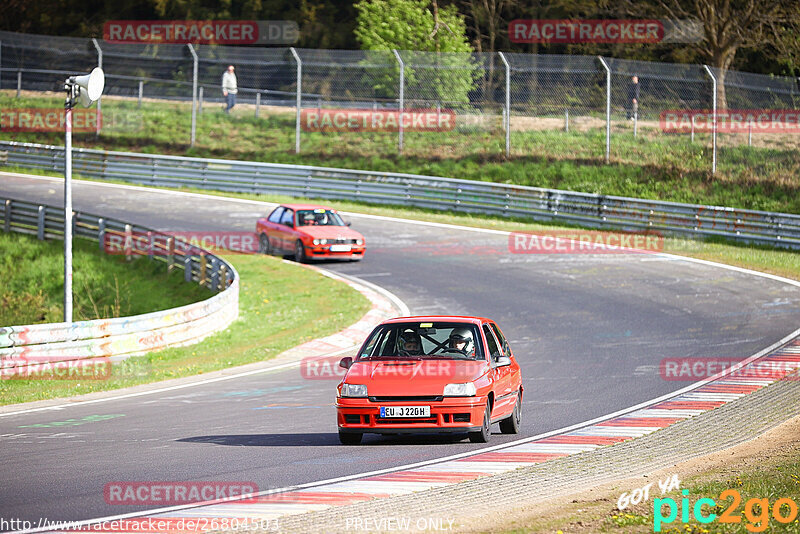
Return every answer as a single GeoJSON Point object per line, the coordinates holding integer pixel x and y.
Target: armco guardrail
{"type": "Point", "coordinates": [121, 337]}
{"type": "Point", "coordinates": [601, 211]}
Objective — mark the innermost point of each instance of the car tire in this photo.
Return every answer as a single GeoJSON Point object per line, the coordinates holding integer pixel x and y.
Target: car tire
{"type": "Point", "coordinates": [350, 438]}
{"type": "Point", "coordinates": [264, 246]}
{"type": "Point", "coordinates": [299, 252]}
{"type": "Point", "coordinates": [511, 425]}
{"type": "Point", "coordinates": [482, 435]}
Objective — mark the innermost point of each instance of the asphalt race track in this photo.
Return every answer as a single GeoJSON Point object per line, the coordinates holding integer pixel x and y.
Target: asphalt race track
{"type": "Point", "coordinates": [588, 330]}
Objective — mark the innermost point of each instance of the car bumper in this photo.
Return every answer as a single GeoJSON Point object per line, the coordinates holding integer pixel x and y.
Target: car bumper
{"type": "Point", "coordinates": [452, 414]}
{"type": "Point", "coordinates": [321, 253]}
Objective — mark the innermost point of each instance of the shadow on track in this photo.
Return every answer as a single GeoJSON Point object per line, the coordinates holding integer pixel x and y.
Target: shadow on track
{"type": "Point", "coordinates": [321, 439]}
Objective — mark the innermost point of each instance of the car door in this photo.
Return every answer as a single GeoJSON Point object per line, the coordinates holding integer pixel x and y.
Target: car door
{"type": "Point", "coordinates": [501, 376]}
{"type": "Point", "coordinates": [514, 369]}
{"type": "Point", "coordinates": [287, 232]}
{"type": "Point", "coordinates": [271, 227]}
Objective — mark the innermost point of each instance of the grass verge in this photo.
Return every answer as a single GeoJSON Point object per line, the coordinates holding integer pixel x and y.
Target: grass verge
{"type": "Point", "coordinates": [104, 286]}
{"type": "Point", "coordinates": [280, 306]}
{"type": "Point", "coordinates": [655, 165]}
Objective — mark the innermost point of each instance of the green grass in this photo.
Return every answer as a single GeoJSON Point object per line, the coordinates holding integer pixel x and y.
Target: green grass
{"type": "Point", "coordinates": [104, 286]}
{"type": "Point", "coordinates": [656, 165]}
{"type": "Point", "coordinates": [280, 306]}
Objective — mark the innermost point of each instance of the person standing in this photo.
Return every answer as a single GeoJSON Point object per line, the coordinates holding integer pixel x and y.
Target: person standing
{"type": "Point", "coordinates": [229, 88]}
{"type": "Point", "coordinates": [633, 98]}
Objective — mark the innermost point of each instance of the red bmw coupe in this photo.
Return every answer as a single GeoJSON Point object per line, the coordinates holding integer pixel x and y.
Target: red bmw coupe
{"type": "Point", "coordinates": [308, 232]}
{"type": "Point", "coordinates": [430, 374]}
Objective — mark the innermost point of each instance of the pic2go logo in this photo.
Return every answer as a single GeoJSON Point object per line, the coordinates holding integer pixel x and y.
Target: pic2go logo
{"type": "Point", "coordinates": [756, 511]}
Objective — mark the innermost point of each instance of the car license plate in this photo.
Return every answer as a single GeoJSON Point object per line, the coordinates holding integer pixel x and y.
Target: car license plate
{"type": "Point", "coordinates": [340, 248]}
{"type": "Point", "coordinates": [405, 411]}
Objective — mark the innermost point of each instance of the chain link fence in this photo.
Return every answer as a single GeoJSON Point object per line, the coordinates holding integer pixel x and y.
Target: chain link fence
{"type": "Point", "coordinates": [423, 104]}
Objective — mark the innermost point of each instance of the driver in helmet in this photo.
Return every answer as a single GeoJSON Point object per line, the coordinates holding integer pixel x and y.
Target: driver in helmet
{"type": "Point", "coordinates": [409, 343]}
{"type": "Point", "coordinates": [461, 340]}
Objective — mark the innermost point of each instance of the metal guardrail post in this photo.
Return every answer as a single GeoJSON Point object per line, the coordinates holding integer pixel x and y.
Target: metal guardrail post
{"type": "Point", "coordinates": [187, 269]}
{"type": "Point", "coordinates": [299, 99]}
{"type": "Point", "coordinates": [714, 123]}
{"type": "Point", "coordinates": [141, 93]}
{"type": "Point", "coordinates": [7, 217]}
{"type": "Point", "coordinates": [401, 101]}
{"type": "Point", "coordinates": [101, 232]}
{"type": "Point", "coordinates": [100, 99]}
{"type": "Point", "coordinates": [40, 224]}
{"type": "Point", "coordinates": [608, 107]}
{"type": "Point", "coordinates": [507, 124]}
{"type": "Point", "coordinates": [128, 243]}
{"type": "Point", "coordinates": [194, 92]}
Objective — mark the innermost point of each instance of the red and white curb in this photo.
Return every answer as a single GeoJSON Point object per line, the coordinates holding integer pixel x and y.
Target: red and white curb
{"type": "Point", "coordinates": [638, 421]}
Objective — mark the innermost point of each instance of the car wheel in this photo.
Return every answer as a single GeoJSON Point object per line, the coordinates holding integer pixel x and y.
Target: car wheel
{"type": "Point", "coordinates": [350, 438]}
{"type": "Point", "coordinates": [482, 435]}
{"type": "Point", "coordinates": [299, 252]}
{"type": "Point", "coordinates": [263, 244]}
{"type": "Point", "coordinates": [511, 425]}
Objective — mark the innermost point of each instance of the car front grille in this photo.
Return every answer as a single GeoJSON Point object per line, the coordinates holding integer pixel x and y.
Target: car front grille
{"type": "Point", "coordinates": [404, 420]}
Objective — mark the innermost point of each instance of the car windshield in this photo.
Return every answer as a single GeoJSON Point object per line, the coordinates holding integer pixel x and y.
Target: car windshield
{"type": "Point", "coordinates": [318, 217]}
{"type": "Point", "coordinates": [423, 340]}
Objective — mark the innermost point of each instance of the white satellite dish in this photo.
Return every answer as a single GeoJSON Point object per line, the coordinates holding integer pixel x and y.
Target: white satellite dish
{"type": "Point", "coordinates": [91, 85]}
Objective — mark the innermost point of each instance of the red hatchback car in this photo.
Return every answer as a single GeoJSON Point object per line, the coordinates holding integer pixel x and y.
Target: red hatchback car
{"type": "Point", "coordinates": [430, 374]}
{"type": "Point", "coordinates": [308, 232]}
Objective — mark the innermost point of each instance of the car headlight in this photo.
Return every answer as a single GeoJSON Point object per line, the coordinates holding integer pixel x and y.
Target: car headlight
{"type": "Point", "coordinates": [354, 390]}
{"type": "Point", "coordinates": [320, 241]}
{"type": "Point", "coordinates": [466, 389]}
{"type": "Point", "coordinates": [359, 242]}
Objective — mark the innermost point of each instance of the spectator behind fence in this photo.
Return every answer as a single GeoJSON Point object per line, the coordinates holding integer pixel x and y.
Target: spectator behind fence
{"type": "Point", "coordinates": [632, 107]}
{"type": "Point", "coordinates": [229, 88]}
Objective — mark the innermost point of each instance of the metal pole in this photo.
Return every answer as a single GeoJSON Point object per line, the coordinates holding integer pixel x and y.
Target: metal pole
{"type": "Point", "coordinates": [507, 124]}
{"type": "Point", "coordinates": [750, 133]}
{"type": "Point", "coordinates": [141, 92]}
{"type": "Point", "coordinates": [194, 92]}
{"type": "Point", "coordinates": [99, 100]}
{"type": "Point", "coordinates": [401, 101]}
{"type": "Point", "coordinates": [635, 123]}
{"type": "Point", "coordinates": [258, 103]}
{"type": "Point", "coordinates": [692, 139]}
{"type": "Point", "coordinates": [714, 124]}
{"type": "Point", "coordinates": [608, 107]}
{"type": "Point", "coordinates": [299, 99]}
{"type": "Point", "coordinates": [68, 204]}
{"type": "Point", "coordinates": [200, 100]}
{"type": "Point", "coordinates": [566, 120]}
{"type": "Point", "coordinates": [19, 82]}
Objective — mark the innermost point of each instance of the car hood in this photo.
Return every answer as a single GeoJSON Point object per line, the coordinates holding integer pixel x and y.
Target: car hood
{"type": "Point", "coordinates": [415, 377]}
{"type": "Point", "coordinates": [330, 232]}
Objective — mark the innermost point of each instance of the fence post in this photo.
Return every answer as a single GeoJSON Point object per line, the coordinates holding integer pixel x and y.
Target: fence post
{"type": "Point", "coordinates": [714, 123]}
{"type": "Point", "coordinates": [7, 217]}
{"type": "Point", "coordinates": [692, 138]}
{"type": "Point", "coordinates": [750, 133]}
{"type": "Point", "coordinates": [40, 224]}
{"type": "Point", "coordinates": [566, 120]}
{"type": "Point", "coordinates": [128, 243]}
{"type": "Point", "coordinates": [100, 99]}
{"type": "Point", "coordinates": [258, 103]}
{"type": "Point", "coordinates": [200, 100]}
{"type": "Point", "coordinates": [187, 269]}
{"type": "Point", "coordinates": [214, 274]}
{"type": "Point", "coordinates": [299, 102]}
{"type": "Point", "coordinates": [608, 107]}
{"type": "Point", "coordinates": [635, 121]}
{"type": "Point", "coordinates": [101, 232]}
{"type": "Point", "coordinates": [507, 124]}
{"type": "Point", "coordinates": [401, 101]}
{"type": "Point", "coordinates": [141, 92]}
{"type": "Point", "coordinates": [19, 82]}
{"type": "Point", "coordinates": [194, 91]}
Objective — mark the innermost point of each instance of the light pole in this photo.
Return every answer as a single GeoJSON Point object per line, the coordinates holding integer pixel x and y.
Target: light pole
{"type": "Point", "coordinates": [87, 89]}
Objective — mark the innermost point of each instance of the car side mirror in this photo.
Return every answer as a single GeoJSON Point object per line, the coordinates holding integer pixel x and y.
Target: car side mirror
{"type": "Point", "coordinates": [346, 362]}
{"type": "Point", "coordinates": [502, 361]}
{"type": "Point", "coordinates": [347, 223]}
